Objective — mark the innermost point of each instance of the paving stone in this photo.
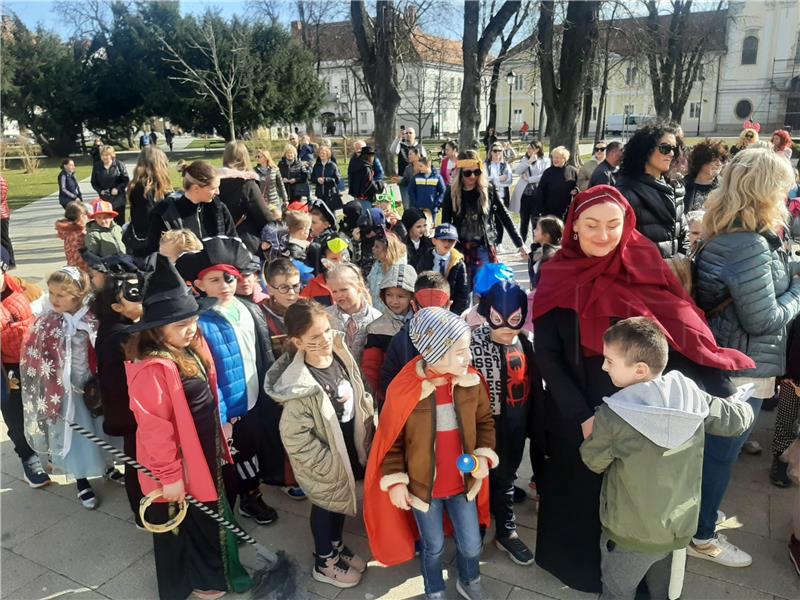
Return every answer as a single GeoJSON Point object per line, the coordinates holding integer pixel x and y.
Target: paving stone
{"type": "Point", "coordinates": [90, 548]}
{"type": "Point", "coordinates": [26, 512]}
{"type": "Point", "coordinates": [137, 581]}
{"type": "Point", "coordinates": [699, 587]}
{"type": "Point", "coordinates": [780, 514]}
{"type": "Point", "coordinates": [17, 572]}
{"type": "Point", "coordinates": [770, 573]}
{"type": "Point", "coordinates": [518, 593]}
{"type": "Point", "coordinates": [50, 586]}
{"type": "Point", "coordinates": [751, 508]}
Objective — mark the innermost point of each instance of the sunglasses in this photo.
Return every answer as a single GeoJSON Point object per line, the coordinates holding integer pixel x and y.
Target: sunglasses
{"type": "Point", "coordinates": [600, 149]}
{"type": "Point", "coordinates": [471, 172]}
{"type": "Point", "coordinates": [667, 148]}
{"type": "Point", "coordinates": [749, 136]}
{"type": "Point", "coordinates": [496, 150]}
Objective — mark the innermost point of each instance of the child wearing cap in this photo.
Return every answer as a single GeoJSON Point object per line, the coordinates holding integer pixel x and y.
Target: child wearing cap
{"type": "Point", "coordinates": [72, 229]}
{"type": "Point", "coordinates": [397, 291]}
{"type": "Point", "coordinates": [445, 259]}
{"type": "Point", "coordinates": [334, 250]}
{"type": "Point", "coordinates": [172, 384]}
{"type": "Point", "coordinates": [242, 354]}
{"type": "Point", "coordinates": [413, 477]}
{"type": "Point", "coordinates": [103, 234]}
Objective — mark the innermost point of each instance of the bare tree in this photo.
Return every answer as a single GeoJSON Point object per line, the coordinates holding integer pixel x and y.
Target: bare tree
{"type": "Point", "coordinates": [675, 47]}
{"type": "Point", "coordinates": [506, 41]}
{"type": "Point", "coordinates": [383, 43]}
{"type": "Point", "coordinates": [562, 91]}
{"type": "Point", "coordinates": [87, 18]}
{"type": "Point", "coordinates": [476, 51]}
{"type": "Point", "coordinates": [223, 76]}
{"type": "Point", "coordinates": [269, 8]}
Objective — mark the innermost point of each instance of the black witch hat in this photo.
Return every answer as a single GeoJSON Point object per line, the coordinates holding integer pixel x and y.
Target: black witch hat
{"type": "Point", "coordinates": [167, 299]}
{"type": "Point", "coordinates": [221, 251]}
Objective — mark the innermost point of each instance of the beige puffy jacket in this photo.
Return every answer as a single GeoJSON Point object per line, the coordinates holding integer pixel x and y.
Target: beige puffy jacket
{"type": "Point", "coordinates": [311, 433]}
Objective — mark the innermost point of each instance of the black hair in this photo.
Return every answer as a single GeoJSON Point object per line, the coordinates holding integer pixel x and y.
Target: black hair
{"type": "Point", "coordinates": [642, 144]}
{"type": "Point", "coordinates": [279, 267]}
{"type": "Point", "coordinates": [66, 161]}
{"type": "Point", "coordinates": [552, 226]}
{"type": "Point", "coordinates": [431, 280]}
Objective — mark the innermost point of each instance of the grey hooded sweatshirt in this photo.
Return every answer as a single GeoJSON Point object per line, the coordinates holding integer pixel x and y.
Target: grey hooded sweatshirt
{"type": "Point", "coordinates": [648, 439]}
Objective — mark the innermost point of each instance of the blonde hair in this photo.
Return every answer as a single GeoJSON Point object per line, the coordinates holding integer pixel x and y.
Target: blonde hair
{"type": "Point", "coordinates": [152, 171]}
{"type": "Point", "coordinates": [744, 134]}
{"type": "Point", "coordinates": [694, 216]}
{"type": "Point", "coordinates": [184, 240]}
{"type": "Point", "coordinates": [561, 151]}
{"type": "Point", "coordinates": [108, 150]}
{"type": "Point", "coordinates": [74, 281]}
{"type": "Point", "coordinates": [751, 194]}
{"type": "Point", "coordinates": [482, 183]}
{"type": "Point", "coordinates": [265, 153]}
{"type": "Point", "coordinates": [395, 250]}
{"type": "Point", "coordinates": [348, 272]}
{"type": "Point", "coordinates": [289, 149]}
{"type": "Point", "coordinates": [236, 156]}
{"type": "Point", "coordinates": [325, 149]}
{"type": "Point", "coordinates": [297, 220]}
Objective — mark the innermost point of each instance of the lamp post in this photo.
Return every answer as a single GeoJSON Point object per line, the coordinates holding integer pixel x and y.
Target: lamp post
{"type": "Point", "coordinates": [700, 106]}
{"type": "Point", "coordinates": [533, 107]}
{"type": "Point", "coordinates": [510, 81]}
{"type": "Point", "coordinates": [336, 112]}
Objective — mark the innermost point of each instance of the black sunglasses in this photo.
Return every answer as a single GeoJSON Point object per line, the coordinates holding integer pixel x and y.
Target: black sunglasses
{"type": "Point", "coordinates": [667, 148]}
{"type": "Point", "coordinates": [599, 149]}
{"type": "Point", "coordinates": [497, 149]}
{"type": "Point", "coordinates": [471, 172]}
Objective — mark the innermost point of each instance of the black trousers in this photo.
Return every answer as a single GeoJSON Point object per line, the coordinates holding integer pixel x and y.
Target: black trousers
{"type": "Point", "coordinates": [5, 241]}
{"type": "Point", "coordinates": [132, 487]}
{"type": "Point", "coordinates": [326, 527]}
{"type": "Point", "coordinates": [528, 214]}
{"type": "Point", "coordinates": [246, 437]}
{"type": "Point", "coordinates": [11, 407]}
{"type": "Point", "coordinates": [511, 433]}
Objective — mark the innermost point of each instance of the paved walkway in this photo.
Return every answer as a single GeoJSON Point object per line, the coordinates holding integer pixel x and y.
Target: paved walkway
{"type": "Point", "coordinates": [53, 548]}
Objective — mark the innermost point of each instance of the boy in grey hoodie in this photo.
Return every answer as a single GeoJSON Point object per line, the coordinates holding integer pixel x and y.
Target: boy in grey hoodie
{"type": "Point", "coordinates": [648, 439]}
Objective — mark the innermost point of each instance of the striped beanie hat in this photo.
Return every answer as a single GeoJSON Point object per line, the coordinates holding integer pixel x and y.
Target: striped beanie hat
{"type": "Point", "coordinates": [434, 330]}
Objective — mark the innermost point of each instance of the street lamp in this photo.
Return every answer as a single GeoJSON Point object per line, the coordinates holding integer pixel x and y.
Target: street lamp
{"type": "Point", "coordinates": [510, 81]}
{"type": "Point", "coordinates": [533, 107]}
{"type": "Point", "coordinates": [336, 112]}
{"type": "Point", "coordinates": [700, 106]}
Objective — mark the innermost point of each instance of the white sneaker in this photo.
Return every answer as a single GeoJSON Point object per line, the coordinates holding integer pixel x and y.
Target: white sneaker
{"type": "Point", "coordinates": [719, 550]}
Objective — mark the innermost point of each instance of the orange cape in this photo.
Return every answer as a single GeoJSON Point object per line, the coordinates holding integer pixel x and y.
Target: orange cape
{"type": "Point", "coordinates": [392, 531]}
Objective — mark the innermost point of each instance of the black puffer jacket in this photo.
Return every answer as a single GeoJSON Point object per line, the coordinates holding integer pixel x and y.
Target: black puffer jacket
{"type": "Point", "coordinates": [659, 210]}
{"type": "Point", "coordinates": [204, 220]}
{"type": "Point", "coordinates": [240, 192]}
{"type": "Point", "coordinates": [298, 171]}
{"type": "Point", "coordinates": [118, 418]}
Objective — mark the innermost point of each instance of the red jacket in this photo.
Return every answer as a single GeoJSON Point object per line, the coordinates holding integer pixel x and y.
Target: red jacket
{"type": "Point", "coordinates": [74, 237]}
{"type": "Point", "coordinates": [5, 211]}
{"type": "Point", "coordinates": [166, 439]}
{"type": "Point", "coordinates": [317, 289]}
{"type": "Point", "coordinates": [16, 319]}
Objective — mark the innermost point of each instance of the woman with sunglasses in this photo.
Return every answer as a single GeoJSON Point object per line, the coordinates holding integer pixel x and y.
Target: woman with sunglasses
{"type": "Point", "coordinates": [472, 205]}
{"type": "Point", "coordinates": [747, 137]}
{"type": "Point", "coordinates": [643, 181]}
{"type": "Point", "coordinates": [705, 164]}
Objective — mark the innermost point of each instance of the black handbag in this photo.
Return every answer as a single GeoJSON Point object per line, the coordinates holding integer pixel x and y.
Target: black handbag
{"type": "Point", "coordinates": [91, 396]}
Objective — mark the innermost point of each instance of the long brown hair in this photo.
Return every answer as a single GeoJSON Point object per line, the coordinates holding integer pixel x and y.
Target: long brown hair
{"type": "Point", "coordinates": [300, 316]}
{"type": "Point", "coordinates": [150, 343]}
{"type": "Point", "coordinates": [482, 183]}
{"type": "Point", "coordinates": [152, 172]}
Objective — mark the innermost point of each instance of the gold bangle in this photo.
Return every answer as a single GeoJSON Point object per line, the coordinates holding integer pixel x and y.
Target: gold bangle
{"type": "Point", "coordinates": [145, 503]}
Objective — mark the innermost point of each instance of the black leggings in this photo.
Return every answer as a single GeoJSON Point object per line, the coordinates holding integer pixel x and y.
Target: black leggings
{"type": "Point", "coordinates": [528, 214]}
{"type": "Point", "coordinates": [326, 527]}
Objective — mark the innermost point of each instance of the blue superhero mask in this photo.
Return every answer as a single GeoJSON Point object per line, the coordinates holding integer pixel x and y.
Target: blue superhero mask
{"type": "Point", "coordinates": [504, 305]}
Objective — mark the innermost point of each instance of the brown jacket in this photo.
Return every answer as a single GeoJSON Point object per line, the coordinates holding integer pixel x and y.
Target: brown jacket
{"type": "Point", "coordinates": [412, 459]}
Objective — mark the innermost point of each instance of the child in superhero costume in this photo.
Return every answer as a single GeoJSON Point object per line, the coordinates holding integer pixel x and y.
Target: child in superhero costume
{"type": "Point", "coordinates": [436, 409]}
{"type": "Point", "coordinates": [503, 354]}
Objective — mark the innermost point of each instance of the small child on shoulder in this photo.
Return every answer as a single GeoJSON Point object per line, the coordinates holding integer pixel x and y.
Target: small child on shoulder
{"type": "Point", "coordinates": [647, 440]}
{"type": "Point", "coordinates": [72, 229]}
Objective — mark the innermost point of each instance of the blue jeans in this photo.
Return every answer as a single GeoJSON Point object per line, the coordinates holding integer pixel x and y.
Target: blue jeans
{"type": "Point", "coordinates": [720, 455]}
{"type": "Point", "coordinates": [464, 517]}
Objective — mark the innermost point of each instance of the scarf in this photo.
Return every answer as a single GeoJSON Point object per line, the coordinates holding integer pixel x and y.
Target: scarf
{"type": "Point", "coordinates": [46, 372]}
{"type": "Point", "coordinates": [633, 280]}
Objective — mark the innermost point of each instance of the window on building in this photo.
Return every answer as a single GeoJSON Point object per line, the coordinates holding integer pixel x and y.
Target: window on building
{"type": "Point", "coordinates": [345, 87]}
{"type": "Point", "coordinates": [518, 81]}
{"type": "Point", "coordinates": [630, 75]}
{"type": "Point", "coordinates": [518, 115]}
{"type": "Point", "coordinates": [362, 116]}
{"type": "Point", "coordinates": [327, 83]}
{"type": "Point", "coordinates": [743, 110]}
{"type": "Point", "coordinates": [594, 113]}
{"type": "Point", "coordinates": [750, 50]}
{"type": "Point", "coordinates": [628, 109]}
{"type": "Point", "coordinates": [797, 49]}
{"type": "Point", "coordinates": [694, 110]}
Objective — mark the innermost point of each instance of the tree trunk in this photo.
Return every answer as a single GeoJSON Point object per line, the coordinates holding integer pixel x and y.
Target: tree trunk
{"type": "Point", "coordinates": [587, 112]}
{"type": "Point", "coordinates": [562, 96]}
{"type": "Point", "coordinates": [601, 107]}
{"type": "Point", "coordinates": [492, 120]}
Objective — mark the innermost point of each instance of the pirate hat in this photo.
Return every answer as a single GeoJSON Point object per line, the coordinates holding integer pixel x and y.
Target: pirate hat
{"type": "Point", "coordinates": [222, 253]}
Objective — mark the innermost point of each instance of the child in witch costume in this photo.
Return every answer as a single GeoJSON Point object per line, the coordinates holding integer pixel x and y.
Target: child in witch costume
{"type": "Point", "coordinates": [327, 427]}
{"type": "Point", "coordinates": [397, 292]}
{"type": "Point", "coordinates": [172, 385]}
{"type": "Point", "coordinates": [57, 362]}
{"type": "Point", "coordinates": [240, 347]}
{"type": "Point", "coordinates": [503, 354]}
{"type": "Point", "coordinates": [436, 409]}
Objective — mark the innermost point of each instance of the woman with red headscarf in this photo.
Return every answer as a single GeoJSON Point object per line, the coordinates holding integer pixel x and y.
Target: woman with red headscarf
{"type": "Point", "coordinates": [605, 271]}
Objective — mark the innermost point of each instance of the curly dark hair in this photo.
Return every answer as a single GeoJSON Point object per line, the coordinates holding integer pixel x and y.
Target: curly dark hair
{"type": "Point", "coordinates": [638, 149]}
{"type": "Point", "coordinates": [705, 152]}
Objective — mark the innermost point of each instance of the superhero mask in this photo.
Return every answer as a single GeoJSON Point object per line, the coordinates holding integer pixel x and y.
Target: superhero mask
{"type": "Point", "coordinates": [129, 285]}
{"type": "Point", "coordinates": [504, 306]}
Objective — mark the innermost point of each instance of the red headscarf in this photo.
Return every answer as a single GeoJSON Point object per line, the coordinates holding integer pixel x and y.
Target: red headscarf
{"type": "Point", "coordinates": [632, 281]}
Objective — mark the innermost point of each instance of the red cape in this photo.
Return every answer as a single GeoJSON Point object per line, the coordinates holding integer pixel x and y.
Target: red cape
{"type": "Point", "coordinates": [392, 531]}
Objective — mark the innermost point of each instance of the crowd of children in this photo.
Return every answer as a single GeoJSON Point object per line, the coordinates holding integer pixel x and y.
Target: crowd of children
{"type": "Point", "coordinates": [339, 352]}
